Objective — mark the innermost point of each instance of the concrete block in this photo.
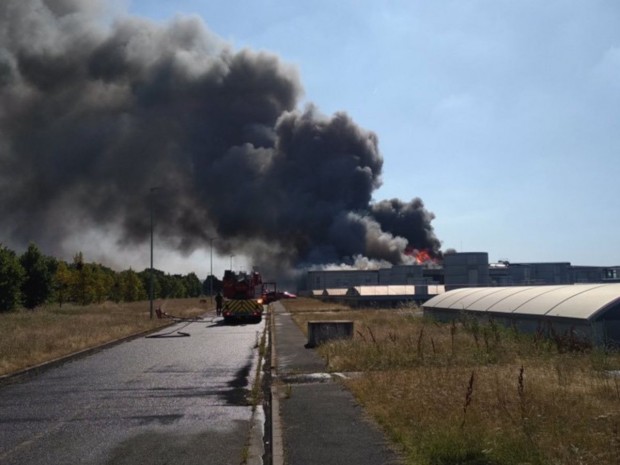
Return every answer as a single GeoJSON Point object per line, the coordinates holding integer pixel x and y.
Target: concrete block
{"type": "Point", "coordinates": [323, 331]}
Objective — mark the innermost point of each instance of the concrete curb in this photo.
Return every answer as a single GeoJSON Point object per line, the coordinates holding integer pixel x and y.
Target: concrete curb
{"type": "Point", "coordinates": [256, 440]}
{"type": "Point", "coordinates": [256, 446]}
{"type": "Point", "coordinates": [277, 445]}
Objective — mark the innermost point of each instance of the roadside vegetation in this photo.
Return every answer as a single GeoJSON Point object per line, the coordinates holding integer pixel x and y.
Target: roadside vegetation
{"type": "Point", "coordinates": [50, 308]}
{"type": "Point", "coordinates": [472, 394]}
{"type": "Point", "coordinates": [33, 337]}
{"type": "Point", "coordinates": [32, 279]}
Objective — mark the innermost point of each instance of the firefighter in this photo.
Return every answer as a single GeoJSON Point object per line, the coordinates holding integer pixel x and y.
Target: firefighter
{"type": "Point", "coordinates": [218, 303]}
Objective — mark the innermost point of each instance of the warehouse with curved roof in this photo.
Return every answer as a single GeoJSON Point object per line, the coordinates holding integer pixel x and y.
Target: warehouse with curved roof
{"type": "Point", "coordinates": [590, 311]}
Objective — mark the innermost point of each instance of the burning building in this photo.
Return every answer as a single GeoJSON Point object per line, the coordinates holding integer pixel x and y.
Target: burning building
{"type": "Point", "coordinates": [455, 271]}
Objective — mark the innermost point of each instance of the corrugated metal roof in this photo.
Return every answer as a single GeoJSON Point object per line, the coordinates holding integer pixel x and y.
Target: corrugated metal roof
{"type": "Point", "coordinates": [435, 289]}
{"type": "Point", "coordinates": [580, 301]}
{"type": "Point", "coordinates": [382, 290]}
{"type": "Point", "coordinates": [335, 291]}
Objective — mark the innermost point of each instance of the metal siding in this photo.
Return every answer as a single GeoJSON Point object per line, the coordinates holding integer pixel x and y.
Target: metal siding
{"type": "Point", "coordinates": [370, 290]}
{"type": "Point", "coordinates": [527, 325]}
{"type": "Point", "coordinates": [335, 291]}
{"type": "Point", "coordinates": [598, 332]}
{"type": "Point", "coordinates": [408, 289]}
{"type": "Point", "coordinates": [611, 331]}
{"type": "Point", "coordinates": [444, 316]}
{"type": "Point", "coordinates": [382, 291]}
{"type": "Point", "coordinates": [436, 289]}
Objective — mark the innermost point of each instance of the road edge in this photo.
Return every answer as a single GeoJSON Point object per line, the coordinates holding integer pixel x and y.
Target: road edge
{"type": "Point", "coordinates": [256, 441]}
{"type": "Point", "coordinates": [277, 445]}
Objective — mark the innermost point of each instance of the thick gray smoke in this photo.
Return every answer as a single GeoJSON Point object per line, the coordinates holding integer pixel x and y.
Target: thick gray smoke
{"type": "Point", "coordinates": [94, 113]}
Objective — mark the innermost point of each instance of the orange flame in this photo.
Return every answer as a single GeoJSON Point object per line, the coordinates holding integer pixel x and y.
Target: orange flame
{"type": "Point", "coordinates": [421, 256]}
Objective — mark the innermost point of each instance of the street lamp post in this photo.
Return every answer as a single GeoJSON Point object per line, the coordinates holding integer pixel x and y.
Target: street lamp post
{"type": "Point", "coordinates": [151, 191]}
{"type": "Point", "coordinates": [211, 277]}
{"type": "Point", "coordinates": [151, 270]}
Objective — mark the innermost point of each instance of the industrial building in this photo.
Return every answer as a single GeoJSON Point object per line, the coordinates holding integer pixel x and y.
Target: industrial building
{"type": "Point", "coordinates": [584, 312]}
{"type": "Point", "coordinates": [396, 275]}
{"type": "Point", "coordinates": [464, 269]}
{"type": "Point", "coordinates": [458, 270]}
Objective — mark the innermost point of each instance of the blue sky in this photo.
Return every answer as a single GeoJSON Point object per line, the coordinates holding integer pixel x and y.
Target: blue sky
{"type": "Point", "coordinates": [503, 116]}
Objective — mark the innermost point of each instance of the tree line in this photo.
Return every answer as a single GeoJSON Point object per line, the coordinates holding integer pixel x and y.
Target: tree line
{"type": "Point", "coordinates": [33, 279]}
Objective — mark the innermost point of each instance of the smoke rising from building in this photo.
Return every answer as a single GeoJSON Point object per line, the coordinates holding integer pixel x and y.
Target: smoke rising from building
{"type": "Point", "coordinates": [94, 113]}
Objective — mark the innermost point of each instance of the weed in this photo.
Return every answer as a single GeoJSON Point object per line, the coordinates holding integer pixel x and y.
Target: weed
{"type": "Point", "coordinates": [528, 400]}
{"type": "Point", "coordinates": [420, 345]}
{"type": "Point", "coordinates": [245, 454]}
{"type": "Point", "coordinates": [468, 396]}
{"type": "Point", "coordinates": [452, 336]}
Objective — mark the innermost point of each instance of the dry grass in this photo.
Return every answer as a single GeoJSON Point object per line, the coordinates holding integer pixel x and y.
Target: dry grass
{"type": "Point", "coordinates": [31, 337]}
{"type": "Point", "coordinates": [302, 305]}
{"type": "Point", "coordinates": [469, 394]}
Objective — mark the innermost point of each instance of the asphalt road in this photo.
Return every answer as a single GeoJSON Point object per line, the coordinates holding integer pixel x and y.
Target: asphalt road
{"type": "Point", "coordinates": [175, 399]}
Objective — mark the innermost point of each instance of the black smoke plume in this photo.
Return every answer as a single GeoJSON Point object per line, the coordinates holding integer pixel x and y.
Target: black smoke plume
{"type": "Point", "coordinates": [97, 111]}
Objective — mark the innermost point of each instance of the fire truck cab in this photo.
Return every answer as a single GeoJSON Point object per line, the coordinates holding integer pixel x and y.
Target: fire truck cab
{"type": "Point", "coordinates": [241, 302]}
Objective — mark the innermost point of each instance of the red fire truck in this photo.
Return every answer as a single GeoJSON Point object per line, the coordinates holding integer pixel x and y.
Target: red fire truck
{"type": "Point", "coordinates": [242, 292]}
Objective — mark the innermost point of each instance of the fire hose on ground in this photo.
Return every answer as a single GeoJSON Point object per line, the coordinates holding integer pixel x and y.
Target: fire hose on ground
{"type": "Point", "coordinates": [163, 315]}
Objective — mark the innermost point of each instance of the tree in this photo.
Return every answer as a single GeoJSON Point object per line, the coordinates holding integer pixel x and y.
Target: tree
{"type": "Point", "coordinates": [173, 287]}
{"type": "Point", "coordinates": [101, 281]}
{"type": "Point", "coordinates": [63, 282]}
{"type": "Point", "coordinates": [193, 285]}
{"type": "Point", "coordinates": [211, 283]}
{"type": "Point", "coordinates": [87, 287]}
{"type": "Point", "coordinates": [11, 279]}
{"type": "Point", "coordinates": [37, 285]}
{"type": "Point", "coordinates": [129, 287]}
{"type": "Point", "coordinates": [158, 278]}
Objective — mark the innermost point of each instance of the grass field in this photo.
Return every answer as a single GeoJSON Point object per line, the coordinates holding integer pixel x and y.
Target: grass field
{"type": "Point", "coordinates": [468, 394]}
{"type": "Point", "coordinates": [31, 337]}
